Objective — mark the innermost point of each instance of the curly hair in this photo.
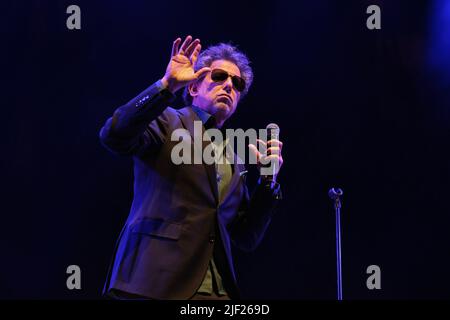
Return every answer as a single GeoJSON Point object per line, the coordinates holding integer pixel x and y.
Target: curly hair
{"type": "Point", "coordinates": [223, 51]}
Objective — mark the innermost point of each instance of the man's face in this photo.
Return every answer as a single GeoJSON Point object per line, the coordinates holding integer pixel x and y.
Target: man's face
{"type": "Point", "coordinates": [217, 98]}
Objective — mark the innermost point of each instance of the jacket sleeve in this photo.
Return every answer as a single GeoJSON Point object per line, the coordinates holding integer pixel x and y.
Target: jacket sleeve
{"type": "Point", "coordinates": [138, 125]}
{"type": "Point", "coordinates": [255, 214]}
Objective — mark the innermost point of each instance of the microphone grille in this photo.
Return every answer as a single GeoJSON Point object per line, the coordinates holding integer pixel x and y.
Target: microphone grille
{"type": "Point", "coordinates": [272, 126]}
{"type": "Point", "coordinates": [273, 130]}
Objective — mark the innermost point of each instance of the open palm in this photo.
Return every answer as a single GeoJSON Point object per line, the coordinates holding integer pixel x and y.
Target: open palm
{"type": "Point", "coordinates": [180, 70]}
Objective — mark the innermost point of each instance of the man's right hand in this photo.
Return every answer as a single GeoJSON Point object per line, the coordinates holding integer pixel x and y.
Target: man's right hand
{"type": "Point", "coordinates": [180, 71]}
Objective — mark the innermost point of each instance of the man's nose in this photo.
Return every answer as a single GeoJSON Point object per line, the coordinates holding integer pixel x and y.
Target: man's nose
{"type": "Point", "coordinates": [228, 85]}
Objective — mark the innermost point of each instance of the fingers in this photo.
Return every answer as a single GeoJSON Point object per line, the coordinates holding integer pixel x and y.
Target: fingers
{"type": "Point", "coordinates": [273, 150]}
{"type": "Point", "coordinates": [275, 143]}
{"type": "Point", "coordinates": [190, 49]}
{"type": "Point", "coordinates": [262, 144]}
{"type": "Point", "coordinates": [195, 53]}
{"type": "Point", "coordinates": [175, 45]}
{"type": "Point", "coordinates": [276, 159]}
{"type": "Point", "coordinates": [201, 72]}
{"type": "Point", "coordinates": [273, 154]}
{"type": "Point", "coordinates": [255, 152]}
{"type": "Point", "coordinates": [185, 44]}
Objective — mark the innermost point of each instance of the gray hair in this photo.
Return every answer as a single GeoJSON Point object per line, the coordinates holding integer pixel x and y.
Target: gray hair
{"type": "Point", "coordinates": [223, 51]}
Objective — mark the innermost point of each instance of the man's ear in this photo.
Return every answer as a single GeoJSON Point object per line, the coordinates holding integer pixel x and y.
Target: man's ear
{"type": "Point", "coordinates": [193, 89]}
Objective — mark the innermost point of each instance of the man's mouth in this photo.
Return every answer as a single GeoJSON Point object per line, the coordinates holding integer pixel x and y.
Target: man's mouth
{"type": "Point", "coordinates": [225, 99]}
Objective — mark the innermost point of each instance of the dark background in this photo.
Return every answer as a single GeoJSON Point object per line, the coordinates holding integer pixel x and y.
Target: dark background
{"type": "Point", "coordinates": [367, 111]}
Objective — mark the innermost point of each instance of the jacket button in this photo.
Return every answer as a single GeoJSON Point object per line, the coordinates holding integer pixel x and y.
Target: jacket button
{"type": "Point", "coordinates": [212, 238]}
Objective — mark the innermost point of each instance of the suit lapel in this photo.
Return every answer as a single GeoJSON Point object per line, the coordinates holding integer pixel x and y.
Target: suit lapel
{"type": "Point", "coordinates": [188, 117]}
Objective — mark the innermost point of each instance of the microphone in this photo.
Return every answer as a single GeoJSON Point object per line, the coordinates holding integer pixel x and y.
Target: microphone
{"type": "Point", "coordinates": [273, 132]}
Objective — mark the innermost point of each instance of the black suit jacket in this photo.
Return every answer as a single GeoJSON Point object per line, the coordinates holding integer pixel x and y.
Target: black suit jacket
{"type": "Point", "coordinates": [176, 219]}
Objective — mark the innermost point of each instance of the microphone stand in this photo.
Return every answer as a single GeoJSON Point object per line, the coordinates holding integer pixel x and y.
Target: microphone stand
{"type": "Point", "coordinates": [334, 194]}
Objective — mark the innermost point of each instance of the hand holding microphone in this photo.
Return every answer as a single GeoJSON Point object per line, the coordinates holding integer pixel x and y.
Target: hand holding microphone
{"type": "Point", "coordinates": [270, 160]}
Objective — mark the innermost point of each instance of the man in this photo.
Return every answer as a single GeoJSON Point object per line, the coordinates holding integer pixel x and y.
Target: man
{"type": "Point", "coordinates": [176, 243]}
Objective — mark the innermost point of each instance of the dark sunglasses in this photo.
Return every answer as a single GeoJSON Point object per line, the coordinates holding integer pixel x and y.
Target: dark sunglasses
{"type": "Point", "coordinates": [218, 75]}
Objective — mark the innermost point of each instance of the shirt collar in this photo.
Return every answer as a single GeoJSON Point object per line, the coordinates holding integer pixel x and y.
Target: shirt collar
{"type": "Point", "coordinates": [202, 114]}
{"type": "Point", "coordinates": [208, 120]}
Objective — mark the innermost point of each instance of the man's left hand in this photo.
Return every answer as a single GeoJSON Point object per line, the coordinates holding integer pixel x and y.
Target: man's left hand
{"type": "Point", "coordinates": [271, 154]}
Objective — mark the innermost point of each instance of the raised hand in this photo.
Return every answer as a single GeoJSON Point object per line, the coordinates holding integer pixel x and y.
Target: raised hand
{"type": "Point", "coordinates": [180, 70]}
